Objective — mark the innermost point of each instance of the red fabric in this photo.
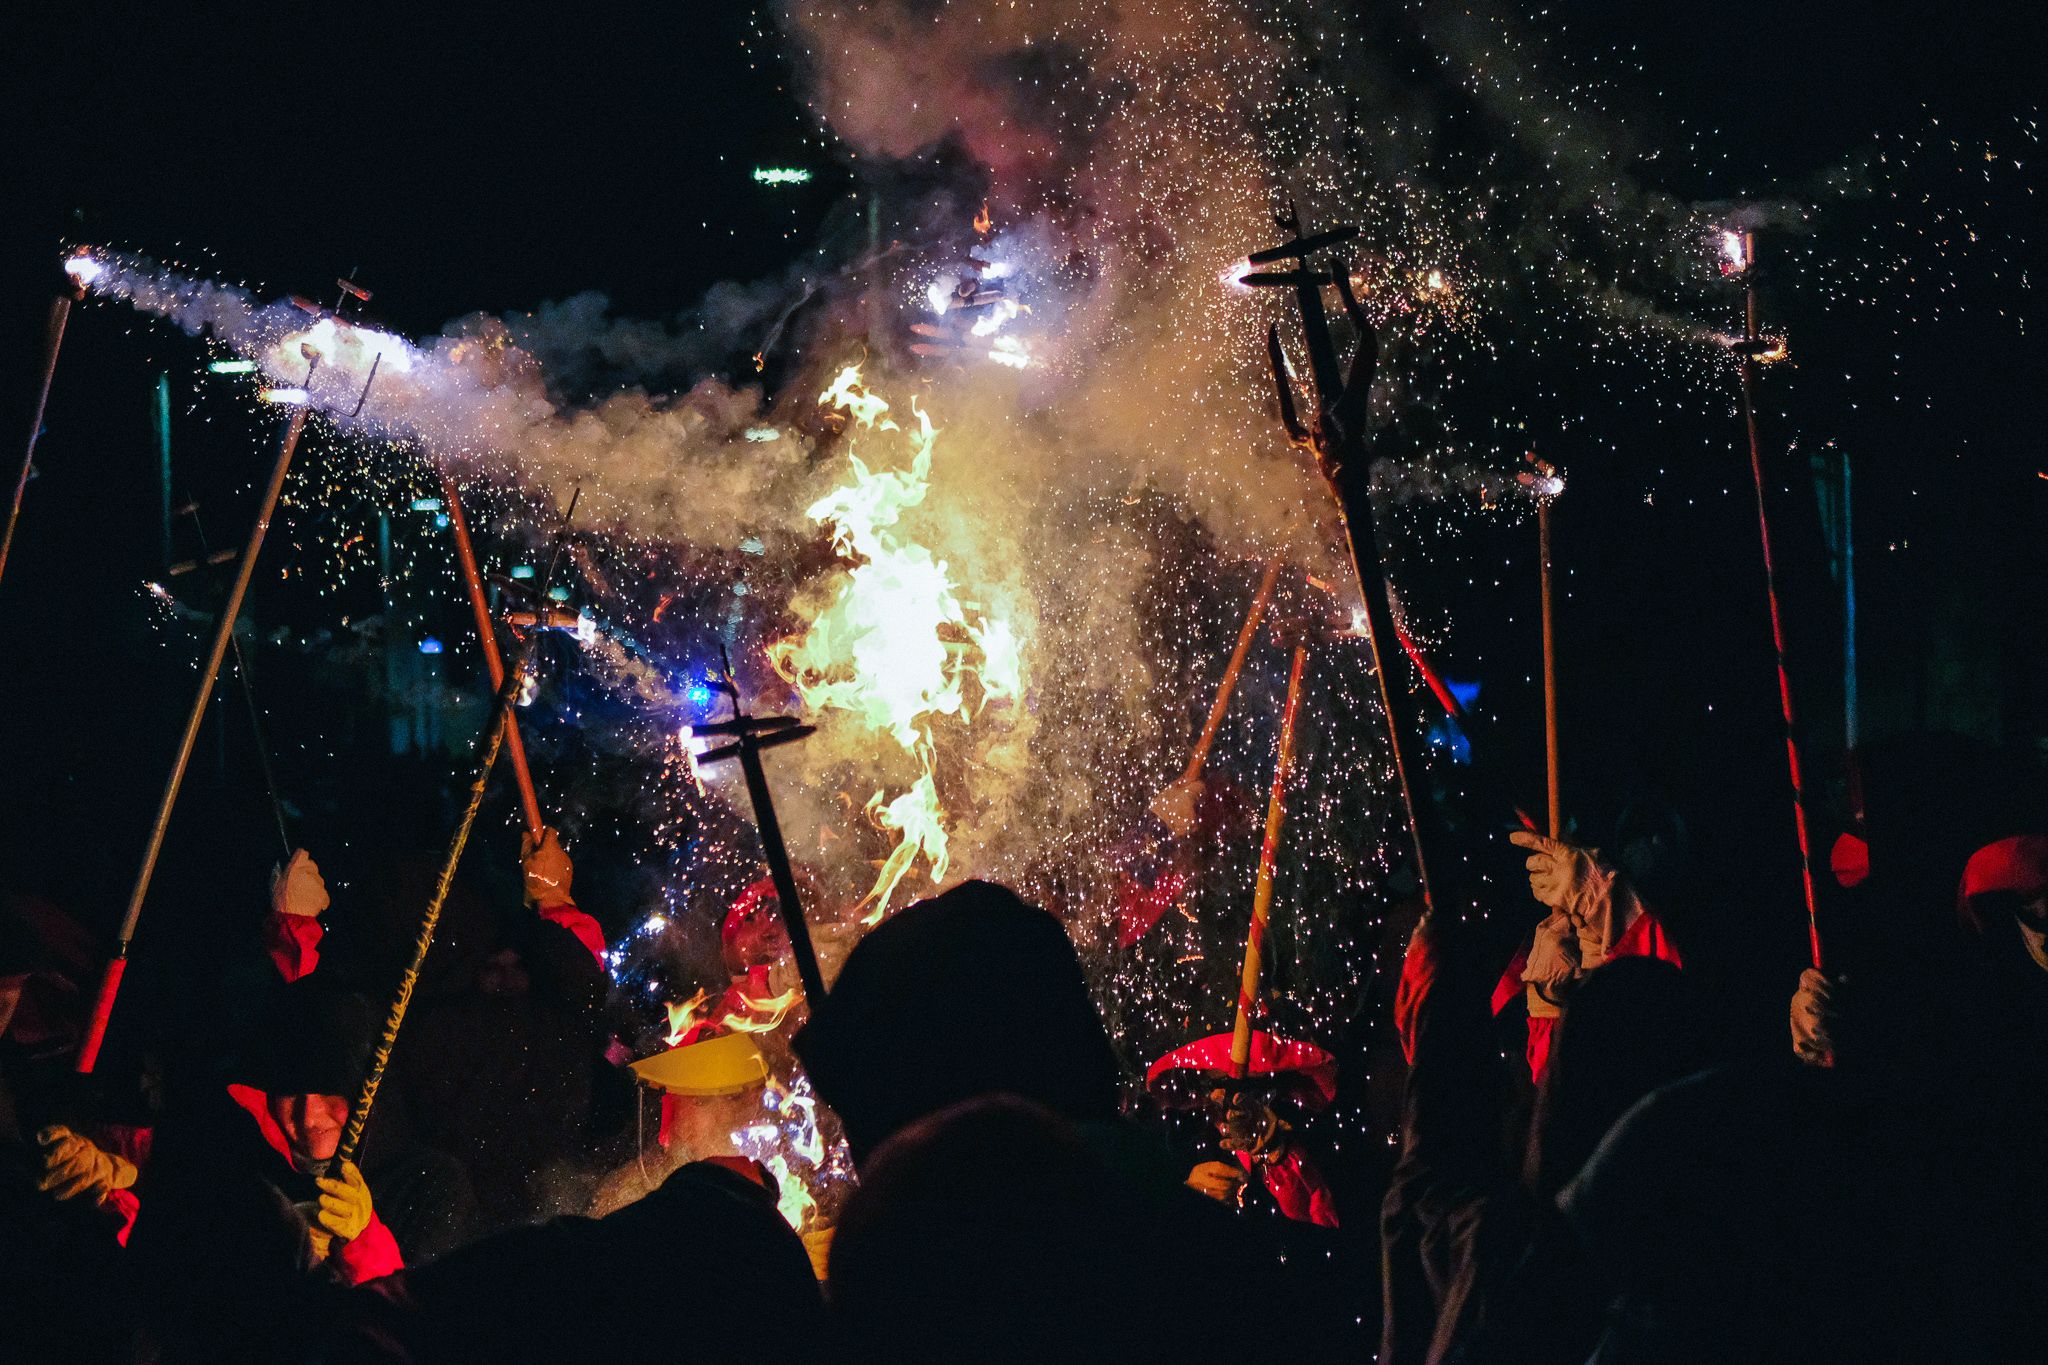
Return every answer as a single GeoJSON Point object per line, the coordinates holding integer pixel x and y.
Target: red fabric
{"type": "Point", "coordinates": [587, 930]}
{"type": "Point", "coordinates": [123, 1205]}
{"type": "Point", "coordinates": [1419, 968]}
{"type": "Point", "coordinates": [745, 906]}
{"type": "Point", "coordinates": [1298, 1188]}
{"type": "Point", "coordinates": [2018, 865]}
{"type": "Point", "coordinates": [1313, 1068]}
{"type": "Point", "coordinates": [293, 942]}
{"type": "Point", "coordinates": [1139, 907]}
{"type": "Point", "coordinates": [1643, 937]}
{"type": "Point", "coordinates": [1849, 860]}
{"type": "Point", "coordinates": [373, 1254]}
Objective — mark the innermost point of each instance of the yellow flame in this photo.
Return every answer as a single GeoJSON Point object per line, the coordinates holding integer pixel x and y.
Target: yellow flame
{"type": "Point", "coordinates": [686, 1016]}
{"type": "Point", "coordinates": [794, 1203]}
{"type": "Point", "coordinates": [896, 647]}
{"type": "Point", "coordinates": [759, 1014]}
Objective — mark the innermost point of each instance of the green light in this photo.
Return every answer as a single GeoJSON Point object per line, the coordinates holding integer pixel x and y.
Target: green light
{"type": "Point", "coordinates": [781, 175]}
{"type": "Point", "coordinates": [232, 367]}
{"type": "Point", "coordinates": [558, 593]}
{"type": "Point", "coordinates": [426, 504]}
{"type": "Point", "coordinates": [522, 570]}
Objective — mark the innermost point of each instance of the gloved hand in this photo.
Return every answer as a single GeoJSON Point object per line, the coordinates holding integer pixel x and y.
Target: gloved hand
{"type": "Point", "coordinates": [74, 1165]}
{"type": "Point", "coordinates": [1250, 1126]}
{"type": "Point", "coordinates": [298, 889]}
{"type": "Point", "coordinates": [345, 1208]}
{"type": "Point", "coordinates": [547, 867]}
{"type": "Point", "coordinates": [1222, 1181]}
{"type": "Point", "coordinates": [1560, 874]}
{"type": "Point", "coordinates": [1813, 1016]}
{"type": "Point", "coordinates": [1553, 957]}
{"type": "Point", "coordinates": [1174, 807]}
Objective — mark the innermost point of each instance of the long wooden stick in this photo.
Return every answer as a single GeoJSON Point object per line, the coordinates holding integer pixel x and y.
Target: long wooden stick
{"type": "Point", "coordinates": [1245, 636]}
{"type": "Point", "coordinates": [1262, 897]}
{"type": "Point", "coordinates": [486, 634]}
{"type": "Point", "coordinates": [1556, 803]}
{"type": "Point", "coordinates": [223, 633]}
{"type": "Point", "coordinates": [60, 312]}
{"type": "Point", "coordinates": [1763, 516]}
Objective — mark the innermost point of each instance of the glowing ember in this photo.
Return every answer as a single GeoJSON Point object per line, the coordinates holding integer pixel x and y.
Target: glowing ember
{"type": "Point", "coordinates": [897, 647]}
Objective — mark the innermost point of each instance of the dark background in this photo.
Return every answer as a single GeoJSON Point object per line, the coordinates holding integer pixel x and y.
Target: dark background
{"type": "Point", "coordinates": [496, 159]}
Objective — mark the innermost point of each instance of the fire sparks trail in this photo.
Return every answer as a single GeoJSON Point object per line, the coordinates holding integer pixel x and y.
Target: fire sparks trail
{"type": "Point", "coordinates": [897, 648]}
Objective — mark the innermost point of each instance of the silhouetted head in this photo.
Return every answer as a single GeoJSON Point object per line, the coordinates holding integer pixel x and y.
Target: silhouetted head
{"type": "Point", "coordinates": [988, 1231]}
{"type": "Point", "coordinates": [1631, 1026]}
{"type": "Point", "coordinates": [969, 993]}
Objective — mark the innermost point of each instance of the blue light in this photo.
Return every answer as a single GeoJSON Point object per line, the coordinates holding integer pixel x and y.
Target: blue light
{"type": "Point", "coordinates": [522, 570]}
{"type": "Point", "coordinates": [558, 593]}
{"type": "Point", "coordinates": [426, 504]}
{"type": "Point", "coordinates": [699, 696]}
{"type": "Point", "coordinates": [430, 645]}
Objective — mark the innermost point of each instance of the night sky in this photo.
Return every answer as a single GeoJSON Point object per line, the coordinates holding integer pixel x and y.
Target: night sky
{"type": "Point", "coordinates": [496, 159]}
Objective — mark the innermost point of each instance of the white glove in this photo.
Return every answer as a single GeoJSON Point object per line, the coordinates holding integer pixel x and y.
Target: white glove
{"type": "Point", "coordinates": [1813, 1016]}
{"type": "Point", "coordinates": [298, 889]}
{"type": "Point", "coordinates": [1553, 963]}
{"type": "Point", "coordinates": [1560, 874]}
{"type": "Point", "coordinates": [1175, 805]}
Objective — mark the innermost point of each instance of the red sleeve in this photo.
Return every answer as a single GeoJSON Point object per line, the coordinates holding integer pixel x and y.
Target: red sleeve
{"type": "Point", "coordinates": [587, 931]}
{"type": "Point", "coordinates": [293, 942]}
{"type": "Point", "coordinates": [370, 1256]}
{"type": "Point", "coordinates": [123, 1205]}
{"type": "Point", "coordinates": [1418, 977]}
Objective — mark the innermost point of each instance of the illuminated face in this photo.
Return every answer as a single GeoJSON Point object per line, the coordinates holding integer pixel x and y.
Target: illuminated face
{"type": "Point", "coordinates": [760, 939]}
{"type": "Point", "coordinates": [311, 1125]}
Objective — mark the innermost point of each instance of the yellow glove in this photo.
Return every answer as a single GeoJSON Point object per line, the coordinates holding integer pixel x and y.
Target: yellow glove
{"type": "Point", "coordinates": [345, 1208]}
{"type": "Point", "coordinates": [1222, 1181]}
{"type": "Point", "coordinates": [547, 867]}
{"type": "Point", "coordinates": [73, 1165]}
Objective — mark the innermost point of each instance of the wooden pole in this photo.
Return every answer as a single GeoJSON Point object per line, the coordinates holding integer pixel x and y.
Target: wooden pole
{"type": "Point", "coordinates": [223, 634]}
{"type": "Point", "coordinates": [1245, 636]}
{"type": "Point", "coordinates": [1556, 803]}
{"type": "Point", "coordinates": [1756, 467]}
{"type": "Point", "coordinates": [60, 313]}
{"type": "Point", "coordinates": [495, 730]}
{"type": "Point", "coordinates": [1262, 897]}
{"type": "Point", "coordinates": [486, 634]}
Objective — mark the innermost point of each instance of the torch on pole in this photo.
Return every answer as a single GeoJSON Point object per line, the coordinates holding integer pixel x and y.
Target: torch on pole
{"type": "Point", "coordinates": [1544, 484]}
{"type": "Point", "coordinates": [80, 270]}
{"type": "Point", "coordinates": [1753, 347]}
{"type": "Point", "coordinates": [486, 634]}
{"type": "Point", "coordinates": [495, 730]}
{"type": "Point", "coordinates": [1262, 896]}
{"type": "Point", "coordinates": [223, 635]}
{"type": "Point", "coordinates": [749, 736]}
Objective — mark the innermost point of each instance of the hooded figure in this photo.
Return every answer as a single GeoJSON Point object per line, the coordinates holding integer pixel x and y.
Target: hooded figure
{"type": "Point", "coordinates": [1477, 1265]}
{"type": "Point", "coordinates": [244, 1203]}
{"type": "Point", "coordinates": [968, 993]}
{"type": "Point", "coordinates": [975, 993]}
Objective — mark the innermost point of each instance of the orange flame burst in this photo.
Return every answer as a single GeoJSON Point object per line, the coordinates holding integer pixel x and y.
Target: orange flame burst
{"type": "Point", "coordinates": [897, 647]}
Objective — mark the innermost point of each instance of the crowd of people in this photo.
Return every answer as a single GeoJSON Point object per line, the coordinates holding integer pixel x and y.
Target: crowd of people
{"type": "Point", "coordinates": [1578, 1170]}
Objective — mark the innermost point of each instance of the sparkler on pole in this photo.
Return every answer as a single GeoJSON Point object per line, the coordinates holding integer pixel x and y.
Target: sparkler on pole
{"type": "Point", "coordinates": [1742, 254]}
{"type": "Point", "coordinates": [1336, 434]}
{"type": "Point", "coordinates": [223, 635]}
{"type": "Point", "coordinates": [1262, 896]}
{"type": "Point", "coordinates": [750, 735]}
{"type": "Point", "coordinates": [486, 634]}
{"type": "Point", "coordinates": [495, 730]}
{"type": "Point", "coordinates": [1544, 484]}
{"type": "Point", "coordinates": [1175, 805]}
{"type": "Point", "coordinates": [79, 271]}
